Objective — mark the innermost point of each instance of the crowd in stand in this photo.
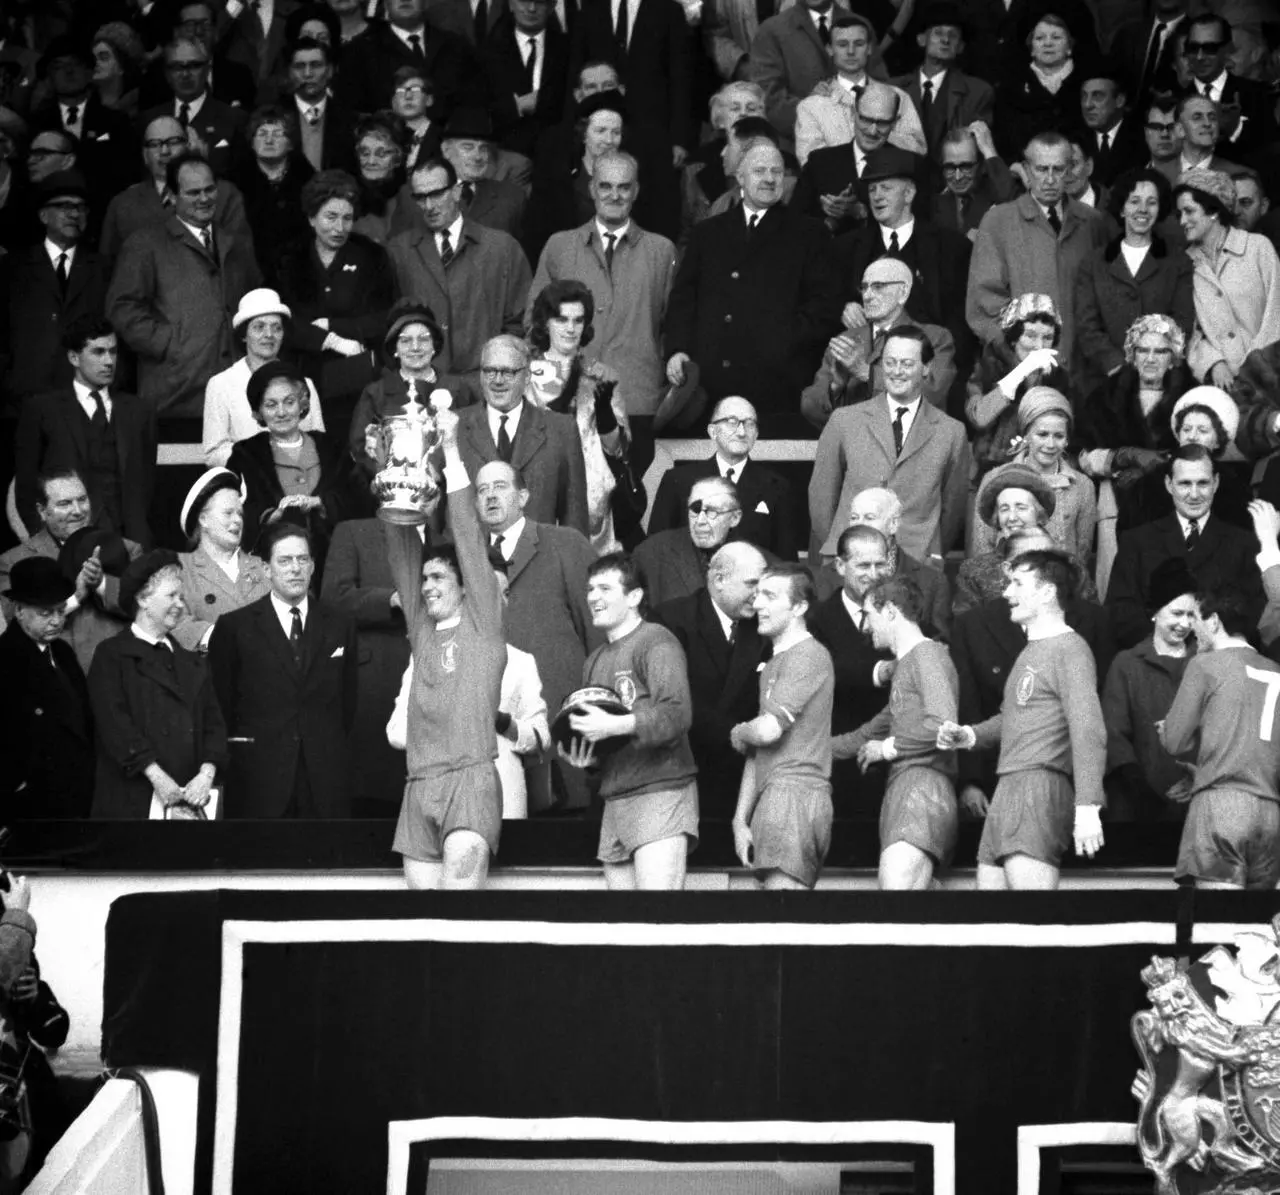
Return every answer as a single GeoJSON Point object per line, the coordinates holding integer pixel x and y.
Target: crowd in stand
{"type": "Point", "coordinates": [1014, 264]}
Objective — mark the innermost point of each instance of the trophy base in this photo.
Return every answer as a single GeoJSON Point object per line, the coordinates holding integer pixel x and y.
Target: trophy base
{"type": "Point", "coordinates": [402, 516]}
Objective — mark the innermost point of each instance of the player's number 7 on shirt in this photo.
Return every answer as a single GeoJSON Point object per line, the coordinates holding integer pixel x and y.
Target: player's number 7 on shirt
{"type": "Point", "coordinates": [1272, 682]}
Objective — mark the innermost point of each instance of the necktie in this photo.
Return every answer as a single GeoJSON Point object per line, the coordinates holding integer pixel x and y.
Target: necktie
{"type": "Point", "coordinates": [166, 198]}
{"type": "Point", "coordinates": [733, 633]}
{"type": "Point", "coordinates": [468, 194]}
{"type": "Point", "coordinates": [962, 210]}
{"type": "Point", "coordinates": [1055, 221]}
{"type": "Point", "coordinates": [752, 221]}
{"type": "Point", "coordinates": [609, 239]}
{"type": "Point", "coordinates": [898, 430]}
{"type": "Point", "coordinates": [295, 635]}
{"type": "Point", "coordinates": [729, 475]}
{"type": "Point", "coordinates": [927, 93]}
{"type": "Point", "coordinates": [857, 621]}
{"type": "Point", "coordinates": [1104, 142]}
{"type": "Point", "coordinates": [530, 61]}
{"type": "Point", "coordinates": [824, 33]}
{"type": "Point", "coordinates": [313, 116]}
{"type": "Point", "coordinates": [495, 541]}
{"type": "Point", "coordinates": [1206, 91]}
{"type": "Point", "coordinates": [446, 249]}
{"type": "Point", "coordinates": [206, 237]}
{"type": "Point", "coordinates": [184, 115]}
{"type": "Point", "coordinates": [1193, 534]}
{"type": "Point", "coordinates": [620, 30]}
{"type": "Point", "coordinates": [894, 247]}
{"type": "Point", "coordinates": [1153, 53]}
{"type": "Point", "coordinates": [99, 417]}
{"type": "Point", "coordinates": [482, 21]}
{"type": "Point", "coordinates": [415, 44]}
{"type": "Point", "coordinates": [62, 270]}
{"type": "Point", "coordinates": [504, 440]}
{"type": "Point", "coordinates": [73, 116]}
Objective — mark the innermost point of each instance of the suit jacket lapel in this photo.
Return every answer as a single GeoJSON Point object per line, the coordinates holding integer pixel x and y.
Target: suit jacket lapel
{"type": "Point", "coordinates": [882, 426]}
{"type": "Point", "coordinates": [530, 436]}
{"type": "Point", "coordinates": [477, 431]}
{"type": "Point", "coordinates": [525, 550]}
{"type": "Point", "coordinates": [431, 259]}
{"type": "Point", "coordinates": [712, 633]}
{"type": "Point", "coordinates": [270, 629]}
{"type": "Point", "coordinates": [918, 433]}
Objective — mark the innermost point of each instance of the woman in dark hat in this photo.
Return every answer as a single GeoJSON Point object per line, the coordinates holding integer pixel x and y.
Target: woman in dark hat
{"type": "Point", "coordinates": [218, 575]}
{"type": "Point", "coordinates": [161, 736]}
{"type": "Point", "coordinates": [301, 477]}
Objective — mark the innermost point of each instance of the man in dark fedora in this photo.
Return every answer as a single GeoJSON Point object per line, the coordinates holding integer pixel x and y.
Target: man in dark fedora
{"type": "Point", "coordinates": [467, 142]}
{"type": "Point", "coordinates": [46, 738]}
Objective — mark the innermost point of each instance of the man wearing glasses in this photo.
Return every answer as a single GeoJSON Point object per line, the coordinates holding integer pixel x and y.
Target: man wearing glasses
{"type": "Point", "coordinates": [231, 82]}
{"type": "Point", "coordinates": [1164, 139]}
{"type": "Point", "coordinates": [767, 508]}
{"type": "Point", "coordinates": [675, 562]}
{"type": "Point", "coordinates": [1244, 106]}
{"type": "Point", "coordinates": [975, 177]}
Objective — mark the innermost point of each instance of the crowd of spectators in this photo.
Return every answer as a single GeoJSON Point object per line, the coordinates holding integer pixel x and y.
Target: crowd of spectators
{"type": "Point", "coordinates": [1013, 265]}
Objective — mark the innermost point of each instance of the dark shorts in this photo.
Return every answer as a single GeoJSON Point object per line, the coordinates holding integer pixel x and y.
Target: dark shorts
{"type": "Point", "coordinates": [1231, 837]}
{"type": "Point", "coordinates": [791, 828]}
{"type": "Point", "coordinates": [632, 822]}
{"type": "Point", "coordinates": [1033, 814]}
{"type": "Point", "coordinates": [920, 808]}
{"type": "Point", "coordinates": [434, 807]}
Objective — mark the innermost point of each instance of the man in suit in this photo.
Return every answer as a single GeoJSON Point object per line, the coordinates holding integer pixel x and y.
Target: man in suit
{"type": "Point", "coordinates": [790, 56]}
{"type": "Point", "coordinates": [475, 279]}
{"type": "Point", "coordinates": [108, 438]}
{"type": "Point", "coordinates": [648, 42]}
{"type": "Point", "coordinates": [898, 442]}
{"type": "Point", "coordinates": [1215, 552]}
{"type": "Point", "coordinates": [1245, 106]}
{"type": "Point", "coordinates": [326, 127]}
{"type": "Point", "coordinates": [467, 144]}
{"type": "Point", "coordinates": [1163, 136]}
{"type": "Point", "coordinates": [542, 445]}
{"type": "Point", "coordinates": [754, 300]}
{"type": "Point", "coordinates": [1114, 136]}
{"type": "Point", "coordinates": [527, 62]}
{"type": "Point", "coordinates": [217, 129]}
{"type": "Point", "coordinates": [1148, 50]}
{"type": "Point", "coordinates": [45, 288]}
{"type": "Point", "coordinates": [46, 736]}
{"type": "Point", "coordinates": [1198, 134]}
{"type": "Point", "coordinates": [149, 202]}
{"type": "Point", "coordinates": [945, 97]}
{"type": "Point", "coordinates": [1036, 244]}
{"type": "Point", "coordinates": [285, 671]}
{"type": "Point", "coordinates": [174, 287]}
{"type": "Point", "coordinates": [768, 511]}
{"type": "Point", "coordinates": [230, 81]}
{"type": "Point", "coordinates": [255, 35]}
{"type": "Point", "coordinates": [547, 613]}
{"type": "Point", "coordinates": [974, 178]}
{"type": "Point", "coordinates": [93, 611]}
{"type": "Point", "coordinates": [723, 652]}
{"type": "Point", "coordinates": [675, 561]}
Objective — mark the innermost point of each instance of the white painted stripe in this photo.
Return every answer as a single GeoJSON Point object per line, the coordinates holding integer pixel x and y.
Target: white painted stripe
{"type": "Point", "coordinates": [226, 1100]}
{"type": "Point", "coordinates": [1212, 933]}
{"type": "Point", "coordinates": [939, 1136]}
{"type": "Point", "coordinates": [1032, 1138]}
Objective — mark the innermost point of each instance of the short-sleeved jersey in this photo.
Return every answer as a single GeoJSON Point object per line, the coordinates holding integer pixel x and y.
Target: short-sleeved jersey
{"type": "Point", "coordinates": [797, 686]}
{"type": "Point", "coordinates": [647, 669]}
{"type": "Point", "coordinates": [1224, 716]}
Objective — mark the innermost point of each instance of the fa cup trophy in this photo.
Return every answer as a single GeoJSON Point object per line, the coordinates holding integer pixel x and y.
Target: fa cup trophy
{"type": "Point", "coordinates": [401, 446]}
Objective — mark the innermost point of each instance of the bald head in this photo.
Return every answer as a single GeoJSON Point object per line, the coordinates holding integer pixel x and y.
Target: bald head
{"type": "Point", "coordinates": [878, 508]}
{"type": "Point", "coordinates": [733, 428]}
{"type": "Point", "coordinates": [163, 139]}
{"type": "Point", "coordinates": [732, 577]}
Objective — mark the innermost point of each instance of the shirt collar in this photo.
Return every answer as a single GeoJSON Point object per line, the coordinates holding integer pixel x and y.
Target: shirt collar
{"type": "Point", "coordinates": [304, 107]}
{"type": "Point", "coordinates": [726, 623]}
{"type": "Point", "coordinates": [893, 405]}
{"type": "Point", "coordinates": [748, 211]}
{"type": "Point", "coordinates": [198, 233]}
{"type": "Point", "coordinates": [904, 232]}
{"type": "Point", "coordinates": [82, 391]}
{"type": "Point", "coordinates": [139, 633]}
{"type": "Point", "coordinates": [850, 84]}
{"type": "Point", "coordinates": [617, 233]}
{"type": "Point", "coordinates": [1185, 523]}
{"type": "Point", "coordinates": [513, 419]}
{"type": "Point", "coordinates": [193, 106]}
{"type": "Point", "coordinates": [282, 608]}
{"type": "Point", "coordinates": [937, 80]}
{"type": "Point", "coordinates": [55, 252]}
{"type": "Point", "coordinates": [455, 234]}
{"type": "Point", "coordinates": [722, 464]}
{"type": "Point", "coordinates": [855, 611]}
{"type": "Point", "coordinates": [511, 534]}
{"type": "Point", "coordinates": [405, 34]}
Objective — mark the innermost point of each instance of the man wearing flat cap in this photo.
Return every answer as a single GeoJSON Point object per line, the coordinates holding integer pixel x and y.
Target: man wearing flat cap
{"type": "Point", "coordinates": [46, 736]}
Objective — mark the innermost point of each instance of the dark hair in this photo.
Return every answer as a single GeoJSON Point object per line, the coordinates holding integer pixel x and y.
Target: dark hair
{"type": "Point", "coordinates": [901, 592]}
{"type": "Point", "coordinates": [861, 533]}
{"type": "Point", "coordinates": [1212, 416]}
{"type": "Point", "coordinates": [56, 473]}
{"type": "Point", "coordinates": [84, 329]}
{"type": "Point", "coordinates": [325, 185]}
{"type": "Point", "coordinates": [437, 164]}
{"type": "Point", "coordinates": [1052, 567]}
{"type": "Point", "coordinates": [308, 43]}
{"type": "Point", "coordinates": [629, 572]}
{"type": "Point", "coordinates": [385, 122]}
{"type": "Point", "coordinates": [294, 22]}
{"type": "Point", "coordinates": [188, 157]}
{"type": "Point", "coordinates": [1193, 453]}
{"type": "Point", "coordinates": [71, 140]}
{"type": "Point", "coordinates": [747, 128]}
{"type": "Point", "coordinates": [273, 533]}
{"type": "Point", "coordinates": [447, 555]}
{"type": "Point", "coordinates": [273, 114]}
{"type": "Point", "coordinates": [1228, 603]}
{"type": "Point", "coordinates": [276, 371]}
{"type": "Point", "coordinates": [547, 306]}
{"type": "Point", "coordinates": [1013, 333]}
{"type": "Point", "coordinates": [404, 73]}
{"type": "Point", "coordinates": [1124, 186]}
{"type": "Point", "coordinates": [799, 581]}
{"type": "Point", "coordinates": [1210, 18]}
{"type": "Point", "coordinates": [907, 332]}
{"type": "Point", "coordinates": [1165, 104]}
{"type": "Point", "coordinates": [1213, 206]}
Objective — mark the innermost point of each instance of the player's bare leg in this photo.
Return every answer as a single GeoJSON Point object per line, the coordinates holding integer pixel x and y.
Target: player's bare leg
{"type": "Point", "coordinates": [905, 868]}
{"type": "Point", "coordinates": [466, 860]}
{"type": "Point", "coordinates": [991, 878]}
{"type": "Point", "coordinates": [660, 866]}
{"type": "Point", "coordinates": [1030, 875]}
{"type": "Point", "coordinates": [423, 873]}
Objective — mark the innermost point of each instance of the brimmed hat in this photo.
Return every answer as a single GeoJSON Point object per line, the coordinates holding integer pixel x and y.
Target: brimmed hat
{"type": "Point", "coordinates": [473, 123]}
{"type": "Point", "coordinates": [1014, 477]}
{"type": "Point", "coordinates": [942, 12]}
{"type": "Point", "coordinates": [1217, 183]}
{"type": "Point", "coordinates": [141, 571]}
{"type": "Point", "coordinates": [683, 404]}
{"type": "Point", "coordinates": [59, 183]}
{"type": "Point", "coordinates": [1218, 401]}
{"type": "Point", "coordinates": [890, 162]}
{"type": "Point", "coordinates": [264, 375]}
{"type": "Point", "coordinates": [65, 46]}
{"type": "Point", "coordinates": [113, 554]}
{"type": "Point", "coordinates": [403, 313]}
{"type": "Point", "coordinates": [611, 100]}
{"type": "Point", "coordinates": [1170, 580]}
{"type": "Point", "coordinates": [207, 484]}
{"type": "Point", "coordinates": [38, 581]}
{"type": "Point", "coordinates": [1042, 400]}
{"type": "Point", "coordinates": [263, 301]}
{"type": "Point", "coordinates": [1028, 306]}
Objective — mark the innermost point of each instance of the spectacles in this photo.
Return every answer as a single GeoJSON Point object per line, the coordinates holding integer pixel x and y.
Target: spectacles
{"type": "Point", "coordinates": [164, 143]}
{"type": "Point", "coordinates": [733, 423]}
{"type": "Point", "coordinates": [187, 65]}
{"type": "Point", "coordinates": [408, 90]}
{"type": "Point", "coordinates": [40, 152]}
{"type": "Point", "coordinates": [1159, 126]}
{"type": "Point", "coordinates": [494, 372]}
{"type": "Point", "coordinates": [377, 154]}
{"type": "Point", "coordinates": [886, 122]}
{"type": "Point", "coordinates": [697, 508]}
{"type": "Point", "coordinates": [70, 206]}
{"type": "Point", "coordinates": [427, 196]}
{"type": "Point", "coordinates": [959, 167]}
{"type": "Point", "coordinates": [1204, 47]}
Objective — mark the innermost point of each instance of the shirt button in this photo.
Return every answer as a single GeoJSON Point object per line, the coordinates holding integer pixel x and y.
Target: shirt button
{"type": "Point", "coordinates": [724, 364]}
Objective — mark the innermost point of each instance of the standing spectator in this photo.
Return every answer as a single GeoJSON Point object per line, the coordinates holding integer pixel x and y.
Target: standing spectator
{"type": "Point", "coordinates": [260, 325]}
{"type": "Point", "coordinates": [284, 668]}
{"type": "Point", "coordinates": [790, 55]}
{"type": "Point", "coordinates": [107, 437]}
{"type": "Point", "coordinates": [900, 443]}
{"type": "Point", "coordinates": [46, 741]}
{"type": "Point", "coordinates": [708, 174]}
{"type": "Point", "coordinates": [1245, 105]}
{"type": "Point", "coordinates": [1043, 94]}
{"type": "Point", "coordinates": [174, 287]}
{"type": "Point", "coordinates": [1164, 139]}
{"type": "Point", "coordinates": [118, 58]}
{"type": "Point", "coordinates": [1209, 417]}
{"type": "Point", "coordinates": [527, 62]}
{"type": "Point", "coordinates": [768, 508]}
{"type": "Point", "coordinates": [385, 203]}
{"type": "Point", "coordinates": [161, 737]}
{"type": "Point", "coordinates": [326, 128]}
{"type": "Point", "coordinates": [475, 279]}
{"type": "Point", "coordinates": [1143, 779]}
{"type": "Point", "coordinates": [675, 562]}
{"type": "Point", "coordinates": [411, 102]}
{"type": "Point", "coordinates": [467, 143]}
{"type": "Point", "coordinates": [975, 179]}
{"type": "Point", "coordinates": [1114, 135]}
{"type": "Point", "coordinates": [1035, 244]}
{"type": "Point", "coordinates": [254, 36]}
{"type": "Point", "coordinates": [218, 575]}
{"type": "Point", "coordinates": [753, 301]}
{"type": "Point", "coordinates": [1149, 49]}
{"type": "Point", "coordinates": [1199, 134]}
{"type": "Point", "coordinates": [233, 82]}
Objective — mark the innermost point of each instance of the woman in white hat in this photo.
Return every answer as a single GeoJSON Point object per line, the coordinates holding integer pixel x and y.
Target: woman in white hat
{"type": "Point", "coordinates": [218, 576]}
{"type": "Point", "coordinates": [259, 325]}
{"type": "Point", "coordinates": [1209, 417]}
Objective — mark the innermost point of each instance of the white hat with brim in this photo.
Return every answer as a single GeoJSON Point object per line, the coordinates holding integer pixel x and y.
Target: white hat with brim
{"type": "Point", "coordinates": [1218, 401]}
{"type": "Point", "coordinates": [262, 301]}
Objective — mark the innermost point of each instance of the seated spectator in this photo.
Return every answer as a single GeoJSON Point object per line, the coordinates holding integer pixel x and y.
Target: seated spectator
{"type": "Point", "coordinates": [291, 475]}
{"type": "Point", "coordinates": [339, 285]}
{"type": "Point", "coordinates": [852, 368]}
{"type": "Point", "coordinates": [1236, 281]}
{"type": "Point", "coordinates": [1043, 94]}
{"type": "Point", "coordinates": [161, 736]}
{"type": "Point", "coordinates": [564, 380]}
{"type": "Point", "coordinates": [467, 142]}
{"type": "Point", "coordinates": [1144, 781]}
{"type": "Point", "coordinates": [46, 739]}
{"type": "Point", "coordinates": [1214, 550]}
{"type": "Point", "coordinates": [1028, 354]}
{"type": "Point", "coordinates": [1207, 416]}
{"type": "Point", "coordinates": [675, 562]}
{"type": "Point", "coordinates": [975, 178]}
{"type": "Point", "coordinates": [118, 59]}
{"type": "Point", "coordinates": [260, 325]}
{"type": "Point", "coordinates": [708, 175]}
{"type": "Point", "coordinates": [1164, 138]}
{"type": "Point", "coordinates": [1252, 203]}
{"type": "Point", "coordinates": [218, 575]}
{"type": "Point", "coordinates": [768, 508]}
{"type": "Point", "coordinates": [386, 209]}
{"type": "Point", "coordinates": [1138, 274]}
{"type": "Point", "coordinates": [412, 101]}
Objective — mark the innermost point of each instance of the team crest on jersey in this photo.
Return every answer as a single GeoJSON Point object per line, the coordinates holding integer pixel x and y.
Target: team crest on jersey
{"type": "Point", "coordinates": [449, 655]}
{"type": "Point", "coordinates": [625, 686]}
{"type": "Point", "coordinates": [1026, 686]}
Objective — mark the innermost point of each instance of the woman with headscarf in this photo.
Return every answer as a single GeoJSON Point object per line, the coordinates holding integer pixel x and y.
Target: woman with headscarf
{"type": "Point", "coordinates": [218, 575]}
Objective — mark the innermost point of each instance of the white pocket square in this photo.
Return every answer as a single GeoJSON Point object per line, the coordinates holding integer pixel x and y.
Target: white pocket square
{"type": "Point", "coordinates": [337, 652]}
{"type": "Point", "coordinates": [103, 137]}
{"type": "Point", "coordinates": [222, 144]}
{"type": "Point", "coordinates": [760, 666]}
{"type": "Point", "coordinates": [762, 508]}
